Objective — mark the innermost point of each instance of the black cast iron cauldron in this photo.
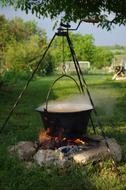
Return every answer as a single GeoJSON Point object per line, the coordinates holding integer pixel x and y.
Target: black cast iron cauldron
{"type": "Point", "coordinates": [66, 123]}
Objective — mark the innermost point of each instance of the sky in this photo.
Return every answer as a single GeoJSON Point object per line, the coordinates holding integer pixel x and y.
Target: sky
{"type": "Point", "coordinates": [102, 37]}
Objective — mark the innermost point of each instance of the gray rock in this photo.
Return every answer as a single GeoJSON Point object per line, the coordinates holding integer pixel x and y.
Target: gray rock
{"type": "Point", "coordinates": [24, 150]}
{"type": "Point", "coordinates": [100, 152]}
{"type": "Point", "coordinates": [49, 157]}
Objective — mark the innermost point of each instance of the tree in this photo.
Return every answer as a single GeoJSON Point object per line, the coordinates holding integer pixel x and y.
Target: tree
{"type": "Point", "coordinates": [102, 57]}
{"type": "Point", "coordinates": [74, 10]}
{"type": "Point", "coordinates": [21, 45]}
{"type": "Point", "coordinates": [4, 38]}
{"type": "Point", "coordinates": [4, 33]}
{"type": "Point", "coordinates": [83, 46]}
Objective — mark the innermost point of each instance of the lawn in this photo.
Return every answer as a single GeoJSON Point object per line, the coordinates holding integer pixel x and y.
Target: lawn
{"type": "Point", "coordinates": [109, 98]}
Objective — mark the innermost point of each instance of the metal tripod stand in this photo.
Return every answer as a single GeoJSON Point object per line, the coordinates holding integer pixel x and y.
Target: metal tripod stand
{"type": "Point", "coordinates": [63, 30]}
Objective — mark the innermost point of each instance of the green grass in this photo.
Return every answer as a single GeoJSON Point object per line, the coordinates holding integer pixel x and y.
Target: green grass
{"type": "Point", "coordinates": [110, 101]}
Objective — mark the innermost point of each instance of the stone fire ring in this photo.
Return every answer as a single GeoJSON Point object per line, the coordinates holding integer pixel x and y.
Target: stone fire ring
{"type": "Point", "coordinates": [27, 151]}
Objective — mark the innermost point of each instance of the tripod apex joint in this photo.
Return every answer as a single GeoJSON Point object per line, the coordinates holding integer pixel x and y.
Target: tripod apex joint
{"type": "Point", "coordinates": [61, 33]}
{"type": "Point", "coordinates": [67, 25]}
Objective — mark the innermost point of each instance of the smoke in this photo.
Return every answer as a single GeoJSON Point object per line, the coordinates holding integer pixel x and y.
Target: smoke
{"type": "Point", "coordinates": [75, 103]}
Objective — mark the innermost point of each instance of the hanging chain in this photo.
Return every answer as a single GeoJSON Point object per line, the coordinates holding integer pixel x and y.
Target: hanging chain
{"type": "Point", "coordinates": [63, 53]}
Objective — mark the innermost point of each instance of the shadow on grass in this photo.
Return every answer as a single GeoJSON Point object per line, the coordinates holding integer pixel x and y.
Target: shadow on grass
{"type": "Point", "coordinates": [14, 175]}
{"type": "Point", "coordinates": [121, 105]}
{"type": "Point", "coordinates": [108, 84]}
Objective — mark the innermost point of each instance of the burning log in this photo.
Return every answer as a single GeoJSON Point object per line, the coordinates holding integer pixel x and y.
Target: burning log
{"type": "Point", "coordinates": [54, 142]}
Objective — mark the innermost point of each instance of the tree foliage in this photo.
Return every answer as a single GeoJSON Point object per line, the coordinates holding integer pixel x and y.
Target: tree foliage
{"type": "Point", "coordinates": [83, 45]}
{"type": "Point", "coordinates": [74, 10]}
{"type": "Point", "coordinates": [20, 43]}
{"type": "Point", "coordinates": [23, 43]}
{"type": "Point", "coordinates": [85, 51]}
{"type": "Point", "coordinates": [103, 57]}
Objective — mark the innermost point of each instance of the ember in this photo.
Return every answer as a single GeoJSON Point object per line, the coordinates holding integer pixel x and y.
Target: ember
{"type": "Point", "coordinates": [53, 142]}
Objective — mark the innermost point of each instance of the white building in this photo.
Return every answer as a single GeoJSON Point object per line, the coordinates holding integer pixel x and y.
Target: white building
{"type": "Point", "coordinates": [69, 66]}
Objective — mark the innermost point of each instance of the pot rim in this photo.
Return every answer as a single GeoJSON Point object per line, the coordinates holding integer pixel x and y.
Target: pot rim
{"type": "Point", "coordinates": [43, 109]}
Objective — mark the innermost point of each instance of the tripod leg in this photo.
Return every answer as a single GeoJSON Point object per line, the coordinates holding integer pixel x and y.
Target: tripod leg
{"type": "Point", "coordinates": [80, 76]}
{"type": "Point", "coordinates": [92, 125]}
{"type": "Point", "coordinates": [74, 60]}
{"type": "Point", "coordinates": [26, 86]}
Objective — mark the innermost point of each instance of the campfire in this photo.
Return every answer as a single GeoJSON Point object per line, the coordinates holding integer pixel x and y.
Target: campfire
{"type": "Point", "coordinates": [64, 138]}
{"type": "Point", "coordinates": [47, 141]}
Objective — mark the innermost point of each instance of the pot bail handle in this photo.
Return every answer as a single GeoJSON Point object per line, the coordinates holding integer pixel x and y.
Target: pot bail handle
{"type": "Point", "coordinates": [64, 75]}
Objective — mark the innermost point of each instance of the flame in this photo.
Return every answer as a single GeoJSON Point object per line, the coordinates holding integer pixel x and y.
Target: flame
{"type": "Point", "coordinates": [45, 138]}
{"type": "Point", "coordinates": [77, 141]}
